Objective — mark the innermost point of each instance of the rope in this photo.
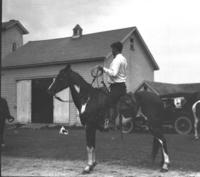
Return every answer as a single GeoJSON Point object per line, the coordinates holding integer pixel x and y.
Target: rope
{"type": "Point", "coordinates": [96, 73]}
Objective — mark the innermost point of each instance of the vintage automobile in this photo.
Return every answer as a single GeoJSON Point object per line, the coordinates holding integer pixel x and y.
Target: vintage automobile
{"type": "Point", "coordinates": [178, 117]}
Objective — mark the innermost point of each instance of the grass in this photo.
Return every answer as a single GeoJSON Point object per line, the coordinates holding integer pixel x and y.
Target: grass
{"type": "Point", "coordinates": [133, 150]}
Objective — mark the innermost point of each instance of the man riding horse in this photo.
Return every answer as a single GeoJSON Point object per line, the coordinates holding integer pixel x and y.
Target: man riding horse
{"type": "Point", "coordinates": [117, 78]}
{"type": "Point", "coordinates": [93, 104]}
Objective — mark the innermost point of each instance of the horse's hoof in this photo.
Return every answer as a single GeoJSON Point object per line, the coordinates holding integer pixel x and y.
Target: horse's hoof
{"type": "Point", "coordinates": [164, 168]}
{"type": "Point", "coordinates": [84, 172]}
{"type": "Point", "coordinates": [88, 169]}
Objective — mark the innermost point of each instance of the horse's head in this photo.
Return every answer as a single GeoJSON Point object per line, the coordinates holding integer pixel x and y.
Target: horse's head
{"type": "Point", "coordinates": [61, 81]}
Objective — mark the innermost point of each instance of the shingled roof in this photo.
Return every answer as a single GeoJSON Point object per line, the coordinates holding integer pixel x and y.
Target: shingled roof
{"type": "Point", "coordinates": [12, 23]}
{"type": "Point", "coordinates": [89, 47]}
{"type": "Point", "coordinates": [167, 89]}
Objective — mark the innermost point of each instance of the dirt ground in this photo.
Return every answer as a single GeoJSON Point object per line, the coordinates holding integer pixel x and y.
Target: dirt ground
{"type": "Point", "coordinates": [43, 152]}
{"type": "Point", "coordinates": [40, 167]}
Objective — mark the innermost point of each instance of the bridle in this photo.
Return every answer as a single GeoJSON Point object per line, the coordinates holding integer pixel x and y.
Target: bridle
{"type": "Point", "coordinates": [96, 74]}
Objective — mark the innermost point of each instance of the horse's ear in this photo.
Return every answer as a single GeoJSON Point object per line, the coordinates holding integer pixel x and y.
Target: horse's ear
{"type": "Point", "coordinates": [67, 67]}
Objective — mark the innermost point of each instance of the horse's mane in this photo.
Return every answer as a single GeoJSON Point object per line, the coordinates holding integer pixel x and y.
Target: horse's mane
{"type": "Point", "coordinates": [87, 85]}
{"type": "Point", "coordinates": [81, 80]}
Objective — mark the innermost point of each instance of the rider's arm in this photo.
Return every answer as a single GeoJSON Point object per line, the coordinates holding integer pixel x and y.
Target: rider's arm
{"type": "Point", "coordinates": [114, 68]}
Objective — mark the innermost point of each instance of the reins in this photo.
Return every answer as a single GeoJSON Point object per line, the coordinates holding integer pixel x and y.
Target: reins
{"type": "Point", "coordinates": [96, 74]}
{"type": "Point", "coordinates": [60, 99]}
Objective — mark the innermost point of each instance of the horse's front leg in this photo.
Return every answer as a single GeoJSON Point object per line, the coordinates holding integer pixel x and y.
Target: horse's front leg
{"type": "Point", "coordinates": [90, 141]}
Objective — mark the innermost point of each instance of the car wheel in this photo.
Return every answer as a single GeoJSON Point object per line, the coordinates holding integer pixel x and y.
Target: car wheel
{"type": "Point", "coordinates": [127, 126]}
{"type": "Point", "coordinates": [183, 125]}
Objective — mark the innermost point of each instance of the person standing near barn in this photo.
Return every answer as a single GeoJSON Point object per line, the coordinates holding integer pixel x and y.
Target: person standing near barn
{"type": "Point", "coordinates": [117, 75]}
{"type": "Point", "coordinates": [4, 114]}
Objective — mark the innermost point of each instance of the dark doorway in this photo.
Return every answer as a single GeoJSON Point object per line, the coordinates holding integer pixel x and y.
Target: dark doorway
{"type": "Point", "coordinates": [42, 102]}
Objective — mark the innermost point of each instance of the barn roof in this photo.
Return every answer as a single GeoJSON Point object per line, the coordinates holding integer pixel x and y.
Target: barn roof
{"type": "Point", "coordinates": [89, 47]}
{"type": "Point", "coordinates": [167, 89]}
{"type": "Point", "coordinates": [9, 24]}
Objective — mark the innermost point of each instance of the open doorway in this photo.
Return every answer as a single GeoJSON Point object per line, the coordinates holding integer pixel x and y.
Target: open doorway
{"type": "Point", "coordinates": [42, 102]}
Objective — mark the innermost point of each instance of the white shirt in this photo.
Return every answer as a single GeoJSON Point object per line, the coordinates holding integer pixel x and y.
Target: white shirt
{"type": "Point", "coordinates": [117, 70]}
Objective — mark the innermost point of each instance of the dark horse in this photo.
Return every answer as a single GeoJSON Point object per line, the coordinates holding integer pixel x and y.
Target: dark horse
{"type": "Point", "coordinates": [91, 103]}
{"type": "Point", "coordinates": [4, 114]}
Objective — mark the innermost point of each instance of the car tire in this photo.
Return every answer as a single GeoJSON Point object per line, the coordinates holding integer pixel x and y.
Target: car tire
{"type": "Point", "coordinates": [183, 125]}
{"type": "Point", "coordinates": [127, 126]}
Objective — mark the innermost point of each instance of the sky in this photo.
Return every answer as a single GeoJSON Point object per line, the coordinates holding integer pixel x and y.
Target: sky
{"type": "Point", "coordinates": [170, 28]}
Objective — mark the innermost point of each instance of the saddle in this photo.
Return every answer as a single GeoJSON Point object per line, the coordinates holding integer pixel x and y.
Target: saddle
{"type": "Point", "coordinates": [127, 105]}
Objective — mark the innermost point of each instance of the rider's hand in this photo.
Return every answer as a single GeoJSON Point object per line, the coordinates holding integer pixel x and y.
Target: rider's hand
{"type": "Point", "coordinates": [100, 68]}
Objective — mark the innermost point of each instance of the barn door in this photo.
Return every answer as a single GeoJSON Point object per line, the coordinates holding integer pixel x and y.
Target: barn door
{"type": "Point", "coordinates": [42, 102]}
{"type": "Point", "coordinates": [61, 109]}
{"type": "Point", "coordinates": [24, 101]}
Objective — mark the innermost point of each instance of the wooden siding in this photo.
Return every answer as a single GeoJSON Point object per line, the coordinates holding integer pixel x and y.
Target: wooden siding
{"type": "Point", "coordinates": [8, 38]}
{"type": "Point", "coordinates": [24, 101]}
{"type": "Point", "coordinates": [61, 109]}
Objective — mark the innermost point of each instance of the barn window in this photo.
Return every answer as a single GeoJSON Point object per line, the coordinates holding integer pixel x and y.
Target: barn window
{"type": "Point", "coordinates": [14, 46]}
{"type": "Point", "coordinates": [132, 47]}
